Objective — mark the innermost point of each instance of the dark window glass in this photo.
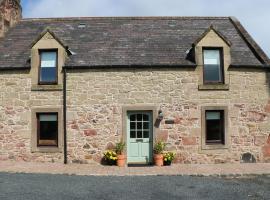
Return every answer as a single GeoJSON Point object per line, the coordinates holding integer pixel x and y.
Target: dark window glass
{"type": "Point", "coordinates": [132, 134]}
{"type": "Point", "coordinates": [146, 134]}
{"type": "Point", "coordinates": [48, 69]}
{"type": "Point", "coordinates": [133, 125]}
{"type": "Point", "coordinates": [145, 118]}
{"type": "Point", "coordinates": [212, 66]}
{"type": "Point", "coordinates": [139, 125]}
{"type": "Point", "coordinates": [139, 134]}
{"type": "Point", "coordinates": [139, 117]}
{"type": "Point", "coordinates": [47, 129]}
{"type": "Point", "coordinates": [146, 125]}
{"type": "Point", "coordinates": [214, 127]}
{"type": "Point", "coordinates": [132, 117]}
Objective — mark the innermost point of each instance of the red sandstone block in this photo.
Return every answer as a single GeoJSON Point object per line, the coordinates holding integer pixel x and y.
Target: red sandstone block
{"type": "Point", "coordinates": [178, 120]}
{"type": "Point", "coordinates": [267, 108]}
{"type": "Point", "coordinates": [74, 126]}
{"type": "Point", "coordinates": [255, 116]}
{"type": "Point", "coordinates": [266, 151]}
{"type": "Point", "coordinates": [189, 140]}
{"type": "Point", "coordinates": [268, 140]}
{"type": "Point", "coordinates": [90, 132]}
{"type": "Point", "coordinates": [20, 144]}
{"type": "Point", "coordinates": [163, 135]}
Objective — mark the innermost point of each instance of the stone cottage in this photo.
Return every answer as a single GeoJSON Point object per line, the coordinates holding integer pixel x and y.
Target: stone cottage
{"type": "Point", "coordinates": [70, 88]}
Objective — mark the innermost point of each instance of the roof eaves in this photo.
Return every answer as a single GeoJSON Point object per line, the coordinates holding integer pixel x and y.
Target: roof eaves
{"type": "Point", "coordinates": [15, 68]}
{"type": "Point", "coordinates": [255, 48]}
{"type": "Point", "coordinates": [129, 66]}
{"type": "Point", "coordinates": [264, 67]}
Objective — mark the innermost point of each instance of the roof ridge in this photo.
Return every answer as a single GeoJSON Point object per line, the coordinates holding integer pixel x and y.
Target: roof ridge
{"type": "Point", "coordinates": [127, 17]}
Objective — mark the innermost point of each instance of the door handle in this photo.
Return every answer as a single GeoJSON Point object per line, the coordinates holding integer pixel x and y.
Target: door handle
{"type": "Point", "coordinates": [139, 140]}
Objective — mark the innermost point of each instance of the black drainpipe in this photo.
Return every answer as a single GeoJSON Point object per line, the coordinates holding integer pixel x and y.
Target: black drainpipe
{"type": "Point", "coordinates": [65, 113]}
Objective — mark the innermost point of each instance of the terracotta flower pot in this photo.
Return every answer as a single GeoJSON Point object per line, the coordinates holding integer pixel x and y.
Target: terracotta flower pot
{"type": "Point", "coordinates": [158, 159]}
{"type": "Point", "coordinates": [121, 160]}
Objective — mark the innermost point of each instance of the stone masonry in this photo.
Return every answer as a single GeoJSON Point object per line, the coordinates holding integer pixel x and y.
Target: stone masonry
{"type": "Point", "coordinates": [95, 101]}
{"type": "Point", "coordinates": [94, 109]}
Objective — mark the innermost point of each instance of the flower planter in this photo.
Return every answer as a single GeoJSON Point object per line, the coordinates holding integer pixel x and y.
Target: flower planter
{"type": "Point", "coordinates": [158, 159]}
{"type": "Point", "coordinates": [167, 163]}
{"type": "Point", "coordinates": [111, 162]}
{"type": "Point", "coordinates": [121, 160]}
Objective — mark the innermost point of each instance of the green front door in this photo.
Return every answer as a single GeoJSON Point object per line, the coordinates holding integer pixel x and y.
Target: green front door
{"type": "Point", "coordinates": [139, 137]}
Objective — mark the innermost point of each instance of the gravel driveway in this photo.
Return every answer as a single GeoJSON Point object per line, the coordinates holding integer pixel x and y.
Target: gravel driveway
{"type": "Point", "coordinates": [48, 187]}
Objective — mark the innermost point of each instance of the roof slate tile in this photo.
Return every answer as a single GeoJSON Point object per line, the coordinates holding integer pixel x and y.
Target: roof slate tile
{"type": "Point", "coordinates": [118, 41]}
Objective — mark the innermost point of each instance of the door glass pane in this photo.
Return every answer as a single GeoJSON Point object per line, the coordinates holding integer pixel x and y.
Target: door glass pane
{"type": "Point", "coordinates": [145, 125]}
{"type": "Point", "coordinates": [139, 117]}
{"type": "Point", "coordinates": [139, 134]}
{"type": "Point", "coordinates": [145, 118]}
{"type": "Point", "coordinates": [139, 125]}
{"type": "Point", "coordinates": [146, 134]}
{"type": "Point", "coordinates": [133, 125]}
{"type": "Point", "coordinates": [132, 134]}
{"type": "Point", "coordinates": [132, 117]}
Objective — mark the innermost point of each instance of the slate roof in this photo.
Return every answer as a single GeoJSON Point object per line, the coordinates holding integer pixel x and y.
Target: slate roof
{"type": "Point", "coordinates": [128, 41]}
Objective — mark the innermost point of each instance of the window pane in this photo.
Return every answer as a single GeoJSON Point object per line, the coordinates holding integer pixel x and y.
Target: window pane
{"type": "Point", "coordinates": [48, 59]}
{"type": "Point", "coordinates": [48, 129]}
{"type": "Point", "coordinates": [212, 73]}
{"type": "Point", "coordinates": [213, 115]}
{"type": "Point", "coordinates": [214, 126]}
{"type": "Point", "coordinates": [212, 67]}
{"type": "Point", "coordinates": [47, 74]}
{"type": "Point", "coordinates": [211, 57]}
{"type": "Point", "coordinates": [48, 67]}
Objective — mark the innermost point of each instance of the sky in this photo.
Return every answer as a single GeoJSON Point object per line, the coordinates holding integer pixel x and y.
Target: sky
{"type": "Point", "coordinates": [253, 14]}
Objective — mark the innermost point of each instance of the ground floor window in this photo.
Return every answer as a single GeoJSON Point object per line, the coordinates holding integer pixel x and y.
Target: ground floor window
{"type": "Point", "coordinates": [214, 126]}
{"type": "Point", "coordinates": [47, 129]}
{"type": "Point", "coordinates": [215, 133]}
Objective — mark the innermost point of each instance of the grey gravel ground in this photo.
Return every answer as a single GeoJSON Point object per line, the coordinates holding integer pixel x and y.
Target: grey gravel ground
{"type": "Point", "coordinates": [48, 187]}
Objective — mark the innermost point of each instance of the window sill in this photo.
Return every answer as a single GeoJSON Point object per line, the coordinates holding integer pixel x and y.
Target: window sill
{"type": "Point", "coordinates": [46, 150]}
{"type": "Point", "coordinates": [47, 88]}
{"type": "Point", "coordinates": [214, 147]}
{"type": "Point", "coordinates": [214, 87]}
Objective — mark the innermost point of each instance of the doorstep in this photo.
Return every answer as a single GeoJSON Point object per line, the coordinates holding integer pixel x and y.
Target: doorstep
{"type": "Point", "coordinates": [100, 170]}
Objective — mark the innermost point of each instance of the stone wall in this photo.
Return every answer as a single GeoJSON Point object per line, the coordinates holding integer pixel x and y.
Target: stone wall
{"type": "Point", "coordinates": [16, 104]}
{"type": "Point", "coordinates": [96, 99]}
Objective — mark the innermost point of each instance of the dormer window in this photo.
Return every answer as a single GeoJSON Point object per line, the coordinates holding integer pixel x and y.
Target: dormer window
{"type": "Point", "coordinates": [48, 67]}
{"type": "Point", "coordinates": [213, 65]}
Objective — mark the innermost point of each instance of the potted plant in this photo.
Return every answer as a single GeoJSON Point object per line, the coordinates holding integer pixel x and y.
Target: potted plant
{"type": "Point", "coordinates": [110, 157]}
{"type": "Point", "coordinates": [158, 150]}
{"type": "Point", "coordinates": [168, 157]}
{"type": "Point", "coordinates": [121, 157]}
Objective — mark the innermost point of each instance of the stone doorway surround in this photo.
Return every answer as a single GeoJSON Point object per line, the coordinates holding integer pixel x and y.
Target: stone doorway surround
{"type": "Point", "coordinates": [139, 107]}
